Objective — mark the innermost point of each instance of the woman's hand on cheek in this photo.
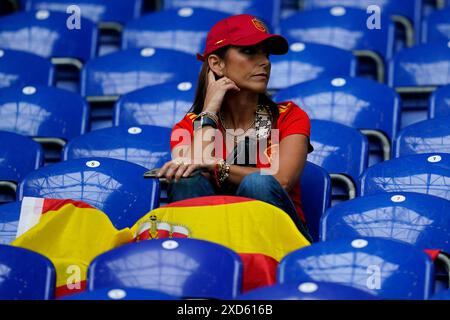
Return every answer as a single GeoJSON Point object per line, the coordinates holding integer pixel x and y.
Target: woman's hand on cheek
{"type": "Point", "coordinates": [216, 91]}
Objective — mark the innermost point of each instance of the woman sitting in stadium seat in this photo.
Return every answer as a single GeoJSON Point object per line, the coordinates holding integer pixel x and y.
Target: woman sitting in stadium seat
{"type": "Point", "coordinates": [269, 142]}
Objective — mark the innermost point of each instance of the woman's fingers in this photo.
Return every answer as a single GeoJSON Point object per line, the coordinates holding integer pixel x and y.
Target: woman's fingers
{"type": "Point", "coordinates": [211, 77]}
{"type": "Point", "coordinates": [180, 171]}
{"type": "Point", "coordinates": [189, 170]}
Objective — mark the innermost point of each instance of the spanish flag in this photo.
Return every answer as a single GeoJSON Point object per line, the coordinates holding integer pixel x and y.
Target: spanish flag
{"type": "Point", "coordinates": [72, 234]}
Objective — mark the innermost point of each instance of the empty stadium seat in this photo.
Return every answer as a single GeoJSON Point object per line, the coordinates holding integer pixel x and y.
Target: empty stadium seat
{"type": "Point", "coordinates": [116, 187]}
{"type": "Point", "coordinates": [443, 295]}
{"type": "Point", "coordinates": [186, 31]}
{"type": "Point", "coordinates": [436, 27]}
{"type": "Point", "coordinates": [268, 11]}
{"type": "Point", "coordinates": [388, 269]}
{"type": "Point", "coordinates": [120, 294]}
{"type": "Point", "coordinates": [315, 185]}
{"type": "Point", "coordinates": [415, 73]}
{"type": "Point", "coordinates": [426, 173]}
{"type": "Point", "coordinates": [427, 136]}
{"type": "Point", "coordinates": [342, 151]}
{"type": "Point", "coordinates": [148, 146]}
{"type": "Point", "coordinates": [406, 13]}
{"type": "Point", "coordinates": [21, 68]}
{"type": "Point", "coordinates": [187, 268]}
{"type": "Point", "coordinates": [9, 221]}
{"type": "Point", "coordinates": [308, 61]}
{"type": "Point", "coordinates": [162, 105]}
{"type": "Point", "coordinates": [25, 275]}
{"type": "Point", "coordinates": [360, 103]}
{"type": "Point", "coordinates": [48, 35]}
{"type": "Point", "coordinates": [19, 155]}
{"type": "Point", "coordinates": [307, 291]}
{"type": "Point", "coordinates": [439, 105]}
{"type": "Point", "coordinates": [344, 28]}
{"type": "Point", "coordinates": [122, 72]}
{"type": "Point", "coordinates": [49, 115]}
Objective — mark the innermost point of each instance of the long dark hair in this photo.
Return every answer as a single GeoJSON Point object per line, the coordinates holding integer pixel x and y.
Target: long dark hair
{"type": "Point", "coordinates": [200, 93]}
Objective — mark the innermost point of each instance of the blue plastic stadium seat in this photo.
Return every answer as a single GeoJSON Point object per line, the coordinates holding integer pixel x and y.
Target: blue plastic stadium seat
{"type": "Point", "coordinates": [342, 151]}
{"type": "Point", "coordinates": [182, 29]}
{"type": "Point", "coordinates": [268, 11]}
{"type": "Point", "coordinates": [308, 61]}
{"type": "Point", "coordinates": [187, 268]}
{"type": "Point", "coordinates": [19, 155]}
{"type": "Point", "coordinates": [426, 173]}
{"type": "Point", "coordinates": [162, 105]}
{"type": "Point", "coordinates": [307, 291]}
{"type": "Point", "coordinates": [442, 295]}
{"type": "Point", "coordinates": [439, 105]}
{"type": "Point", "coordinates": [424, 137]}
{"type": "Point", "coordinates": [315, 185]}
{"type": "Point", "coordinates": [120, 294]}
{"type": "Point", "coordinates": [25, 275]}
{"type": "Point", "coordinates": [116, 187]}
{"type": "Point", "coordinates": [47, 34]}
{"type": "Point", "coordinates": [436, 27]}
{"type": "Point", "coordinates": [363, 104]}
{"type": "Point", "coordinates": [419, 219]}
{"type": "Point", "coordinates": [125, 71]}
{"type": "Point", "coordinates": [388, 269]}
{"type": "Point", "coordinates": [96, 10]}
{"type": "Point", "coordinates": [9, 221]}
{"type": "Point", "coordinates": [21, 68]}
{"type": "Point", "coordinates": [407, 13]}
{"type": "Point", "coordinates": [148, 146]}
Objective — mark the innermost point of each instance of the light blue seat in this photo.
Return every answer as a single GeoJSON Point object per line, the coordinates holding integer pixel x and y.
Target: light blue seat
{"type": "Point", "coordinates": [342, 151]}
{"type": "Point", "coordinates": [147, 146]}
{"type": "Point", "coordinates": [9, 221]}
{"type": "Point", "coordinates": [388, 269]}
{"type": "Point", "coordinates": [187, 268]}
{"type": "Point", "coordinates": [15, 67]}
{"type": "Point", "coordinates": [116, 187]}
{"type": "Point", "coordinates": [26, 275]}
{"type": "Point", "coordinates": [427, 136]}
{"type": "Point", "coordinates": [268, 11]}
{"type": "Point", "coordinates": [344, 28]}
{"type": "Point", "coordinates": [163, 105]}
{"type": "Point", "coordinates": [186, 31]}
{"type": "Point", "coordinates": [308, 61]}
{"type": "Point", "coordinates": [427, 173]}
{"type": "Point", "coordinates": [439, 104]}
{"type": "Point", "coordinates": [120, 294]}
{"type": "Point", "coordinates": [307, 291]}
{"type": "Point", "coordinates": [371, 107]}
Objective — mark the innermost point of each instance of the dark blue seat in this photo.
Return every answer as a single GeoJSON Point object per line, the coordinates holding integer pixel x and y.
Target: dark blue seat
{"type": "Point", "coordinates": [427, 173]}
{"type": "Point", "coordinates": [388, 269]}
{"type": "Point", "coordinates": [47, 34]}
{"type": "Point", "coordinates": [186, 31]}
{"type": "Point", "coordinates": [308, 61]}
{"type": "Point", "coordinates": [307, 291]}
{"type": "Point", "coordinates": [9, 221]}
{"type": "Point", "coordinates": [442, 295]}
{"type": "Point", "coordinates": [120, 294]}
{"type": "Point", "coordinates": [315, 185]}
{"type": "Point", "coordinates": [439, 105]}
{"type": "Point", "coordinates": [121, 72]}
{"type": "Point", "coordinates": [342, 151]}
{"type": "Point", "coordinates": [147, 146]}
{"type": "Point", "coordinates": [116, 187]}
{"type": "Point", "coordinates": [427, 136]}
{"type": "Point", "coordinates": [436, 27]}
{"type": "Point", "coordinates": [162, 105]}
{"type": "Point", "coordinates": [344, 28]}
{"type": "Point", "coordinates": [16, 67]}
{"type": "Point", "coordinates": [187, 268]}
{"type": "Point", "coordinates": [268, 11]}
{"type": "Point", "coordinates": [96, 10]}
{"type": "Point", "coordinates": [360, 103]}
{"type": "Point", "coordinates": [26, 275]}
{"type": "Point", "coordinates": [419, 219]}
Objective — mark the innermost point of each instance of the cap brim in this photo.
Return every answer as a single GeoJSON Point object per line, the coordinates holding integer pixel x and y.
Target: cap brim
{"type": "Point", "coordinates": [277, 44]}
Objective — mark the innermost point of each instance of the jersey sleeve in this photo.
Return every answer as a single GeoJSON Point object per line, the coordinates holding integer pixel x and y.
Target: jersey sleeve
{"type": "Point", "coordinates": [293, 120]}
{"type": "Point", "coordinates": [183, 131]}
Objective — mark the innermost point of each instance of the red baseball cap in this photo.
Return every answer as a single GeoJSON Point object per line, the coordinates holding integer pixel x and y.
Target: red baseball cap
{"type": "Point", "coordinates": [241, 30]}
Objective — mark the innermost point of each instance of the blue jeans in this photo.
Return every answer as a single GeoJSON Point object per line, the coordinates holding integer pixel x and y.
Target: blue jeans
{"type": "Point", "coordinates": [255, 186]}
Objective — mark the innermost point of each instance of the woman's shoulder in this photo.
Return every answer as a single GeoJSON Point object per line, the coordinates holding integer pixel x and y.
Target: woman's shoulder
{"type": "Point", "coordinates": [289, 108]}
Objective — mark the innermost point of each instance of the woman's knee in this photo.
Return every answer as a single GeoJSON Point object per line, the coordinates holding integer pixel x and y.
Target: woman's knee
{"type": "Point", "coordinates": [256, 184]}
{"type": "Point", "coordinates": [186, 188]}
